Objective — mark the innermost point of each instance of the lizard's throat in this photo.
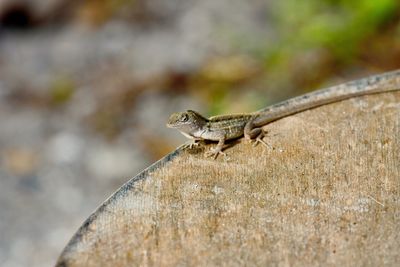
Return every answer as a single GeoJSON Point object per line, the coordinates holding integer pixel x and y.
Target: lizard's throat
{"type": "Point", "coordinates": [193, 134]}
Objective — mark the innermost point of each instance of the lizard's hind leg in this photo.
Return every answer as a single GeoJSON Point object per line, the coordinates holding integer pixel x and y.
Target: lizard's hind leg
{"type": "Point", "coordinates": [250, 131]}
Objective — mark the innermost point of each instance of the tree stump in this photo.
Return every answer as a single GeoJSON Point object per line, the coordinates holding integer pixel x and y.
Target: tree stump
{"type": "Point", "coordinates": [326, 193]}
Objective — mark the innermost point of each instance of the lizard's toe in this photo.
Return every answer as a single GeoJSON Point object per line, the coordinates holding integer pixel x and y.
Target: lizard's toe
{"type": "Point", "coordinates": [194, 144]}
{"type": "Point", "coordinates": [214, 153]}
{"type": "Point", "coordinates": [261, 141]}
{"type": "Point", "coordinates": [191, 145]}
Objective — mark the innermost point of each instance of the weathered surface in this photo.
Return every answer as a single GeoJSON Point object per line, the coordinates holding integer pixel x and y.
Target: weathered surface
{"type": "Point", "coordinates": [327, 194]}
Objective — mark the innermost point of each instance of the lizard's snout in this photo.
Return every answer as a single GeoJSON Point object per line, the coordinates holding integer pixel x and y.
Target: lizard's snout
{"type": "Point", "coordinates": [171, 124]}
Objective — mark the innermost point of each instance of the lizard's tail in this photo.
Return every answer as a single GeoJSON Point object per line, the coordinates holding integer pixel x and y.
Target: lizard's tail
{"type": "Point", "coordinates": [386, 82]}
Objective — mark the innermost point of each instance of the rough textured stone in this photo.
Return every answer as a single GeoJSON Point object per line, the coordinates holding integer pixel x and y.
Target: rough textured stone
{"type": "Point", "coordinates": [326, 194]}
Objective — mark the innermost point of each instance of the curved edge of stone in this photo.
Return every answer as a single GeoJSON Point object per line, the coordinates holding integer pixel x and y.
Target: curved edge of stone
{"type": "Point", "coordinates": [125, 188]}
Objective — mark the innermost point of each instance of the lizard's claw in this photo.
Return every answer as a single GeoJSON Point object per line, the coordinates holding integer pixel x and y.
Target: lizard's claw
{"type": "Point", "coordinates": [214, 152]}
{"type": "Point", "coordinates": [257, 140]}
{"type": "Point", "coordinates": [260, 140]}
{"type": "Point", "coordinates": [192, 144]}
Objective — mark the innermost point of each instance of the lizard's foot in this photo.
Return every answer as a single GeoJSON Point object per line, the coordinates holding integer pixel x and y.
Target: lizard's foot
{"type": "Point", "coordinates": [260, 140]}
{"type": "Point", "coordinates": [192, 144]}
{"type": "Point", "coordinates": [254, 136]}
{"type": "Point", "coordinates": [214, 152]}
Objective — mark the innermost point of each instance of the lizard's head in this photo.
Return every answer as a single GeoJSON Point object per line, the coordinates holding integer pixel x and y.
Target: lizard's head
{"type": "Point", "coordinates": [187, 122]}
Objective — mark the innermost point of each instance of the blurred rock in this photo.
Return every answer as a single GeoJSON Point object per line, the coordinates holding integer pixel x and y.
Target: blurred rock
{"type": "Point", "coordinates": [113, 162]}
{"type": "Point", "coordinates": [65, 148]}
{"type": "Point", "coordinates": [20, 161]}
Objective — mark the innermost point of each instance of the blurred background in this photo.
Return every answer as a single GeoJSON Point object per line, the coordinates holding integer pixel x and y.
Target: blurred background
{"type": "Point", "coordinates": [87, 86]}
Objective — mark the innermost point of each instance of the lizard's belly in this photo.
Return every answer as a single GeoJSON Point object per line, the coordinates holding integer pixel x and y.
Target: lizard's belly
{"type": "Point", "coordinates": [216, 134]}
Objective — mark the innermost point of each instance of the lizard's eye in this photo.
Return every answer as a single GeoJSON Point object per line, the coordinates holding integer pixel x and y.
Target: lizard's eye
{"type": "Point", "coordinates": [184, 118]}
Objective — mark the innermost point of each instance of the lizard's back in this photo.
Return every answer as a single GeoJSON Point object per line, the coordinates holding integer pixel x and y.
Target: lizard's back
{"type": "Point", "coordinates": [230, 125]}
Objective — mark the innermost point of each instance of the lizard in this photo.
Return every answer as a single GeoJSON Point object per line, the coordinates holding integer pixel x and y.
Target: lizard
{"type": "Point", "coordinates": [227, 127]}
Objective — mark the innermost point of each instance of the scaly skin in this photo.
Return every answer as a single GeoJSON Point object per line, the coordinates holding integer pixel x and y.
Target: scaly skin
{"type": "Point", "coordinates": [218, 128]}
{"type": "Point", "coordinates": [228, 127]}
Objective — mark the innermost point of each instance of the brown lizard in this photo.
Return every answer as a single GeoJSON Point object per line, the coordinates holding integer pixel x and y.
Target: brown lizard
{"type": "Point", "coordinates": [228, 127]}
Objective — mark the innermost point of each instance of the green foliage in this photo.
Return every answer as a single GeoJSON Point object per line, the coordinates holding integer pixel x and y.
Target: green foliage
{"type": "Point", "coordinates": [312, 41]}
{"type": "Point", "coordinates": [337, 25]}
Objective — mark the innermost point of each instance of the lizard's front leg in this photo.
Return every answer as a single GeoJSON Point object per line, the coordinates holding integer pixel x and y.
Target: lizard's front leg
{"type": "Point", "coordinates": [251, 132]}
{"type": "Point", "coordinates": [214, 152]}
